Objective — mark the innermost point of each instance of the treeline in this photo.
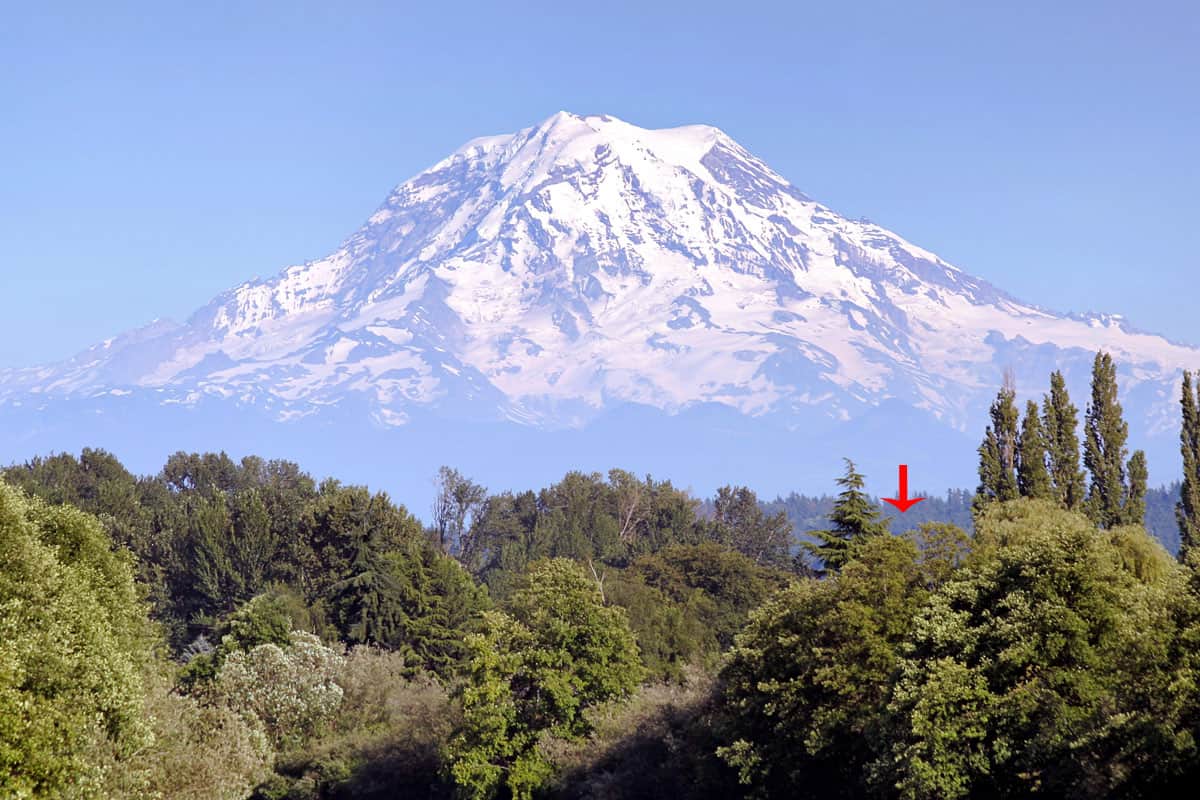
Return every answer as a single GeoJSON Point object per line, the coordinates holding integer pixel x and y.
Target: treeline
{"type": "Point", "coordinates": [258, 576]}
{"type": "Point", "coordinates": [238, 629]}
{"type": "Point", "coordinates": [811, 512]}
{"type": "Point", "coordinates": [208, 534]}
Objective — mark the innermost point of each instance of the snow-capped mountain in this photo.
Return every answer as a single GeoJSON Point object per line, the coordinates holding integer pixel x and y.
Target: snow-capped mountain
{"type": "Point", "coordinates": [548, 276]}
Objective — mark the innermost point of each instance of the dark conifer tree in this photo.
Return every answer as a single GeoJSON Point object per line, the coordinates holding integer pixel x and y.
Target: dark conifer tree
{"type": "Point", "coordinates": [1060, 421]}
{"type": "Point", "coordinates": [1104, 447]}
{"type": "Point", "coordinates": [1187, 512]}
{"type": "Point", "coordinates": [854, 518]}
{"type": "Point", "coordinates": [366, 604]}
{"type": "Point", "coordinates": [998, 453]}
{"type": "Point", "coordinates": [1033, 480]}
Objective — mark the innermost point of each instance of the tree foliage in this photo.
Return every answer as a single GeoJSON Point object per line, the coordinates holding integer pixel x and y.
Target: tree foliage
{"type": "Point", "coordinates": [610, 520]}
{"type": "Point", "coordinates": [998, 452]}
{"type": "Point", "coordinates": [1049, 655]}
{"type": "Point", "coordinates": [456, 504]}
{"type": "Point", "coordinates": [1016, 681]}
{"type": "Point", "coordinates": [535, 669]}
{"type": "Point", "coordinates": [809, 678]}
{"type": "Point", "coordinates": [740, 523]}
{"type": "Point", "coordinates": [1060, 421]}
{"type": "Point", "coordinates": [1187, 511]}
{"type": "Point", "coordinates": [290, 690]}
{"type": "Point", "coordinates": [1033, 477]}
{"type": "Point", "coordinates": [74, 642]}
{"type": "Point", "coordinates": [1117, 489]}
{"type": "Point", "coordinates": [855, 519]}
{"type": "Point", "coordinates": [687, 602]}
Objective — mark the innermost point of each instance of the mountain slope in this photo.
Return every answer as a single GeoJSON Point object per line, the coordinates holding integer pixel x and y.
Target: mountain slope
{"type": "Point", "coordinates": [553, 275]}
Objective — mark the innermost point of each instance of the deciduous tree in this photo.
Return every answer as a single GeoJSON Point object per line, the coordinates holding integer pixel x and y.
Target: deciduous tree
{"type": "Point", "coordinates": [998, 453]}
{"type": "Point", "coordinates": [1104, 450]}
{"type": "Point", "coordinates": [534, 671]}
{"type": "Point", "coordinates": [1060, 421]}
{"type": "Point", "coordinates": [1033, 479]}
{"type": "Point", "coordinates": [1187, 512]}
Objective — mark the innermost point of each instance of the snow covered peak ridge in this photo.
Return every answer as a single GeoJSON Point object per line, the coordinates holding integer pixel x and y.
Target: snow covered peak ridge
{"type": "Point", "coordinates": [564, 139]}
{"type": "Point", "coordinates": [548, 275]}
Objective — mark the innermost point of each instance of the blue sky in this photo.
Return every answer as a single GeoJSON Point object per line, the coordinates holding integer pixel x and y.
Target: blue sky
{"type": "Point", "coordinates": [152, 156]}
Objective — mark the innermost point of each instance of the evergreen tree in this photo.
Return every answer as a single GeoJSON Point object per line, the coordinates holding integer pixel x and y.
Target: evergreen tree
{"type": "Point", "coordinates": [998, 453]}
{"type": "Point", "coordinates": [1060, 420]}
{"type": "Point", "coordinates": [1033, 480]}
{"type": "Point", "coordinates": [855, 518]}
{"type": "Point", "coordinates": [1187, 512]}
{"type": "Point", "coordinates": [367, 604]}
{"type": "Point", "coordinates": [1104, 447]}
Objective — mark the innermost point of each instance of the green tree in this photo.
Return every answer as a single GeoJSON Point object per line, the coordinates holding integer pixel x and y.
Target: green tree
{"type": "Point", "coordinates": [719, 586]}
{"type": "Point", "coordinates": [438, 605]}
{"type": "Point", "coordinates": [670, 635]}
{"type": "Point", "coordinates": [1134, 510]}
{"type": "Point", "coordinates": [341, 521]}
{"type": "Point", "coordinates": [534, 671]}
{"type": "Point", "coordinates": [367, 604]}
{"type": "Point", "coordinates": [585, 517]}
{"type": "Point", "coordinates": [998, 452]}
{"type": "Point", "coordinates": [458, 500]}
{"type": "Point", "coordinates": [1033, 479]}
{"type": "Point", "coordinates": [809, 679]}
{"type": "Point", "coordinates": [1104, 450]}
{"type": "Point", "coordinates": [1187, 511]}
{"type": "Point", "coordinates": [74, 644]}
{"type": "Point", "coordinates": [1060, 421]}
{"type": "Point", "coordinates": [253, 544]}
{"type": "Point", "coordinates": [505, 540]}
{"type": "Point", "coordinates": [1047, 666]}
{"type": "Point", "coordinates": [855, 519]}
{"type": "Point", "coordinates": [651, 514]}
{"type": "Point", "coordinates": [211, 585]}
{"type": "Point", "coordinates": [740, 523]}
{"type": "Point", "coordinates": [942, 548]}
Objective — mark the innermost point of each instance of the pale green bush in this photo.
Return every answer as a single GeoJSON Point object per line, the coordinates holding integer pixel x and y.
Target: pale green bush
{"type": "Point", "coordinates": [291, 691]}
{"type": "Point", "coordinates": [200, 751]}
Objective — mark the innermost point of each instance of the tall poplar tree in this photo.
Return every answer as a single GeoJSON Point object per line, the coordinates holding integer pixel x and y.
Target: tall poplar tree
{"type": "Point", "coordinates": [1104, 450]}
{"type": "Point", "coordinates": [1187, 512]}
{"type": "Point", "coordinates": [998, 453]}
{"type": "Point", "coordinates": [1135, 501]}
{"type": "Point", "coordinates": [1033, 480]}
{"type": "Point", "coordinates": [1060, 422]}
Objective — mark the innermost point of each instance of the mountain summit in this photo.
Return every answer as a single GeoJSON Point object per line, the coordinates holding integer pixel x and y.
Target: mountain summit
{"type": "Point", "coordinates": [549, 276]}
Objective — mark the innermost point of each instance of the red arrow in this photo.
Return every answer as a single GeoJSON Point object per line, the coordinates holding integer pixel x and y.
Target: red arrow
{"type": "Point", "coordinates": [904, 503]}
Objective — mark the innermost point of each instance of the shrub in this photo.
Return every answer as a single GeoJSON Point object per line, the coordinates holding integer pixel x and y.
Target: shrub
{"type": "Point", "coordinates": [385, 741]}
{"type": "Point", "coordinates": [292, 691]}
